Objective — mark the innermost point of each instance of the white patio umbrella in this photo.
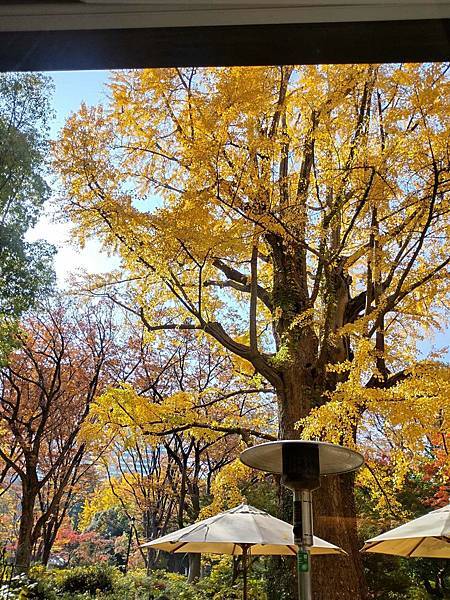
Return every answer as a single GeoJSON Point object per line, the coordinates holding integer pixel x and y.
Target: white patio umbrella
{"type": "Point", "coordinates": [427, 537]}
{"type": "Point", "coordinates": [243, 530]}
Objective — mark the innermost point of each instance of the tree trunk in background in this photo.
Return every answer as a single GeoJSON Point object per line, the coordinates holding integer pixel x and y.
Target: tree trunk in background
{"type": "Point", "coordinates": [194, 572]}
{"type": "Point", "coordinates": [25, 542]}
{"type": "Point", "coordinates": [194, 567]}
{"type": "Point", "coordinates": [46, 552]}
{"type": "Point", "coordinates": [49, 535]}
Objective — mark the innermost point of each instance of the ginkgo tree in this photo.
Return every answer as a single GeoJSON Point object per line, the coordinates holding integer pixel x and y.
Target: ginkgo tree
{"type": "Point", "coordinates": [404, 433]}
{"type": "Point", "coordinates": [296, 215]}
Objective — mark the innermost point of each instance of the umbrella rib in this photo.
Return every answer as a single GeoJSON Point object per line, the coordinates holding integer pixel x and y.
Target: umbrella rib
{"type": "Point", "coordinates": [415, 547]}
{"type": "Point", "coordinates": [181, 545]}
{"type": "Point", "coordinates": [199, 526]}
{"type": "Point", "coordinates": [370, 545]}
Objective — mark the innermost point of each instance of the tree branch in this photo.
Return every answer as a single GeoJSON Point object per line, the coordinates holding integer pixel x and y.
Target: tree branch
{"type": "Point", "coordinates": [257, 359]}
{"type": "Point", "coordinates": [243, 282]}
{"type": "Point", "coordinates": [244, 432]}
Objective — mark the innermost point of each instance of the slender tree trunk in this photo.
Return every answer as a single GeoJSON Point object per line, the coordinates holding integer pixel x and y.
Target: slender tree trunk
{"type": "Point", "coordinates": [25, 539]}
{"type": "Point", "coordinates": [194, 492]}
{"type": "Point", "coordinates": [150, 526]}
{"type": "Point", "coordinates": [38, 550]}
{"type": "Point", "coordinates": [49, 535]}
{"type": "Point", "coordinates": [194, 567]}
{"type": "Point", "coordinates": [46, 551]}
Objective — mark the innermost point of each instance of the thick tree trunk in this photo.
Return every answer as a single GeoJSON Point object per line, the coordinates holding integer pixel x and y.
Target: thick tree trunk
{"type": "Point", "coordinates": [303, 352]}
{"type": "Point", "coordinates": [337, 578]}
{"type": "Point", "coordinates": [334, 578]}
{"type": "Point", "coordinates": [25, 541]}
{"type": "Point", "coordinates": [282, 575]}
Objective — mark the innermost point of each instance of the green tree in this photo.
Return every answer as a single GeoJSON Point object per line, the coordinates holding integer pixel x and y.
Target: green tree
{"type": "Point", "coordinates": [25, 267]}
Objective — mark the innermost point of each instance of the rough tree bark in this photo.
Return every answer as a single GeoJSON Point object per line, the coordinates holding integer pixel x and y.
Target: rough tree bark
{"type": "Point", "coordinates": [304, 384]}
{"type": "Point", "coordinates": [24, 541]}
{"type": "Point", "coordinates": [334, 504]}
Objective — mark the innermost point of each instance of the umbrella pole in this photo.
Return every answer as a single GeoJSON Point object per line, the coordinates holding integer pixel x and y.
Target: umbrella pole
{"type": "Point", "coordinates": [244, 570]}
{"type": "Point", "coordinates": [303, 538]}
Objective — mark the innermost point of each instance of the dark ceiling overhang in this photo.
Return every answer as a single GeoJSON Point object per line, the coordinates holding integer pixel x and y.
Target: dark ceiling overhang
{"type": "Point", "coordinates": [96, 34]}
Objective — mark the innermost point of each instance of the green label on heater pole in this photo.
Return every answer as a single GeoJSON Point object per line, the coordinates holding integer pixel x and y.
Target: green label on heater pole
{"type": "Point", "coordinates": [302, 562]}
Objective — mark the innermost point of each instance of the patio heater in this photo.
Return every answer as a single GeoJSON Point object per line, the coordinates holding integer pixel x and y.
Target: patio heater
{"type": "Point", "coordinates": [301, 464]}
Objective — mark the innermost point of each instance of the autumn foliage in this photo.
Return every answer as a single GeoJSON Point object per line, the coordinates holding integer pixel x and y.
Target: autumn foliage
{"type": "Point", "coordinates": [298, 216]}
{"type": "Point", "coordinates": [283, 235]}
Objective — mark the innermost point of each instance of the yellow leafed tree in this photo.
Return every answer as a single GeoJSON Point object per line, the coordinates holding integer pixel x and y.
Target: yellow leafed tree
{"type": "Point", "coordinates": [298, 216]}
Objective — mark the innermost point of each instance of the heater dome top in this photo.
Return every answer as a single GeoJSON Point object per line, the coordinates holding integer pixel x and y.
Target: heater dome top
{"type": "Point", "coordinates": [333, 459]}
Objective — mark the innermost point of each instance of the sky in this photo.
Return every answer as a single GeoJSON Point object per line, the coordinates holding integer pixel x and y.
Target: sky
{"type": "Point", "coordinates": [71, 89]}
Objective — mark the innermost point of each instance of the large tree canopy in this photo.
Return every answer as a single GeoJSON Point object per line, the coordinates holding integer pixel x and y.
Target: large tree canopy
{"type": "Point", "coordinates": [25, 267]}
{"type": "Point", "coordinates": [299, 216]}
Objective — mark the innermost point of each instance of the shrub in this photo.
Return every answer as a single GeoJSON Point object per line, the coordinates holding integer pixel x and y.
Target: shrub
{"type": "Point", "coordinates": [86, 580]}
{"type": "Point", "coordinates": [174, 587]}
{"type": "Point", "coordinates": [20, 587]}
{"type": "Point", "coordinates": [107, 583]}
{"type": "Point", "coordinates": [44, 583]}
{"type": "Point", "coordinates": [132, 586]}
{"type": "Point", "coordinates": [219, 585]}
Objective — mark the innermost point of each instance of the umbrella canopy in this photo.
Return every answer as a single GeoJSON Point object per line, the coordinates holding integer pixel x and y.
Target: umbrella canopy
{"type": "Point", "coordinates": [230, 531]}
{"type": "Point", "coordinates": [427, 536]}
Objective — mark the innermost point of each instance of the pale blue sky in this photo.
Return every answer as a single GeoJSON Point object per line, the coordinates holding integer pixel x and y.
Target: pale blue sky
{"type": "Point", "coordinates": [71, 89]}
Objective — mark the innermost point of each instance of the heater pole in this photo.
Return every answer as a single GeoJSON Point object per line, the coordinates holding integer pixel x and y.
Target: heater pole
{"type": "Point", "coordinates": [303, 538]}
{"type": "Point", "coordinates": [301, 464]}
